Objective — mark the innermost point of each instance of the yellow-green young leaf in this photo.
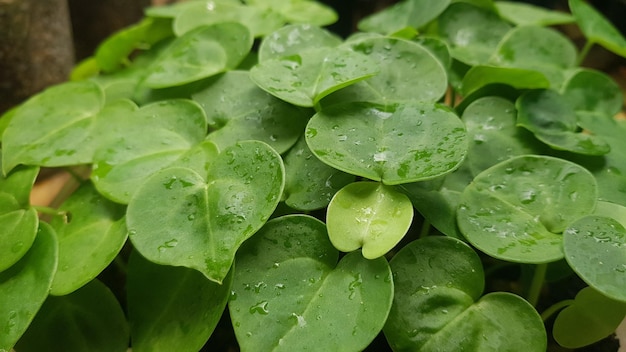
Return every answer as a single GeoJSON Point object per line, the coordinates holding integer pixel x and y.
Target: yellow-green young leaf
{"type": "Point", "coordinates": [289, 292]}
{"type": "Point", "coordinates": [369, 215]}
{"type": "Point", "coordinates": [596, 28]}
{"type": "Point", "coordinates": [519, 78]}
{"type": "Point", "coordinates": [25, 285]}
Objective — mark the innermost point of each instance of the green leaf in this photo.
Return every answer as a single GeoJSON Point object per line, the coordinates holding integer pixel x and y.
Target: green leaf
{"type": "Point", "coordinates": [177, 217]}
{"type": "Point", "coordinates": [289, 294]}
{"type": "Point", "coordinates": [552, 119]}
{"type": "Point", "coordinates": [173, 9]}
{"type": "Point", "coordinates": [90, 237]}
{"type": "Point", "coordinates": [310, 184]}
{"type": "Point", "coordinates": [594, 248]}
{"type": "Point", "coordinates": [596, 28]}
{"type": "Point", "coordinates": [112, 54]}
{"type": "Point", "coordinates": [594, 91]}
{"type": "Point", "coordinates": [519, 78]}
{"type": "Point", "coordinates": [591, 318]}
{"type": "Point", "coordinates": [394, 143]}
{"type": "Point", "coordinates": [523, 14]}
{"type": "Point", "coordinates": [408, 13]}
{"type": "Point", "coordinates": [24, 286]}
{"type": "Point", "coordinates": [402, 64]}
{"type": "Point", "coordinates": [65, 117]}
{"type": "Point", "coordinates": [200, 53]}
{"type": "Point", "coordinates": [369, 215]}
{"type": "Point", "coordinates": [135, 143]}
{"type": "Point", "coordinates": [292, 39]}
{"type": "Point", "coordinates": [172, 308]}
{"type": "Point", "coordinates": [89, 319]}
{"type": "Point", "coordinates": [438, 281]}
{"type": "Point", "coordinates": [259, 21]}
{"type": "Point", "coordinates": [238, 110]}
{"type": "Point", "coordinates": [537, 48]}
{"type": "Point", "coordinates": [311, 12]}
{"type": "Point", "coordinates": [305, 78]}
{"type": "Point", "coordinates": [516, 210]}
{"type": "Point", "coordinates": [473, 33]}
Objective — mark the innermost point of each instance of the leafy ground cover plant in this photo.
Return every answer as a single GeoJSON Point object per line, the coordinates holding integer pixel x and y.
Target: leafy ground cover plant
{"type": "Point", "coordinates": [247, 168]}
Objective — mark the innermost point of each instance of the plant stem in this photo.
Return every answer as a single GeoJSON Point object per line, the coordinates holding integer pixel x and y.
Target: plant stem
{"type": "Point", "coordinates": [555, 308]}
{"type": "Point", "coordinates": [583, 52]}
{"type": "Point", "coordinates": [49, 211]}
{"type": "Point", "coordinates": [535, 286]}
{"type": "Point", "coordinates": [425, 229]}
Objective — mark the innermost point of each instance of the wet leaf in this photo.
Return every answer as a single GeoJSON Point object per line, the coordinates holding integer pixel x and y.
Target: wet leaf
{"type": "Point", "coordinates": [408, 13]}
{"type": "Point", "coordinates": [90, 237]}
{"type": "Point", "coordinates": [595, 247]}
{"type": "Point", "coordinates": [89, 319]}
{"type": "Point", "coordinates": [591, 318]}
{"type": "Point", "coordinates": [517, 209]}
{"type": "Point", "coordinates": [523, 14]}
{"type": "Point", "coordinates": [190, 306]}
{"type": "Point", "coordinates": [597, 28]}
{"type": "Point", "coordinates": [177, 217]}
{"type": "Point", "coordinates": [593, 91]}
{"type": "Point", "coordinates": [292, 39]}
{"type": "Point", "coordinates": [436, 305]}
{"type": "Point", "coordinates": [289, 293]}
{"type": "Point", "coordinates": [200, 53]}
{"type": "Point", "coordinates": [369, 215]}
{"type": "Point", "coordinates": [238, 110]}
{"type": "Point", "coordinates": [24, 286]}
{"type": "Point", "coordinates": [371, 140]}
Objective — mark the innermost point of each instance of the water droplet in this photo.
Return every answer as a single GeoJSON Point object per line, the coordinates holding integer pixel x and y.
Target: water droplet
{"type": "Point", "coordinates": [300, 319]}
{"type": "Point", "coordinates": [342, 138]}
{"type": "Point", "coordinates": [191, 217]}
{"type": "Point", "coordinates": [260, 308]}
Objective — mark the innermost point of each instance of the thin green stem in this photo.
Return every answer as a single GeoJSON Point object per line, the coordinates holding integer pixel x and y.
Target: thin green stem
{"type": "Point", "coordinates": [49, 211]}
{"type": "Point", "coordinates": [555, 308]}
{"type": "Point", "coordinates": [583, 52]}
{"type": "Point", "coordinates": [425, 229]}
{"type": "Point", "coordinates": [535, 286]}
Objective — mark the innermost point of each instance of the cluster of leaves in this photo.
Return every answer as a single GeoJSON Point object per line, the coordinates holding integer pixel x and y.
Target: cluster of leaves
{"type": "Point", "coordinates": [278, 179]}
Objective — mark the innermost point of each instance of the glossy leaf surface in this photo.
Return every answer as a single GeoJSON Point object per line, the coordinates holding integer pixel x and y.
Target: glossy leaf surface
{"type": "Point", "coordinates": [371, 140]}
{"type": "Point", "coordinates": [523, 14]}
{"type": "Point", "coordinates": [595, 247]}
{"type": "Point", "coordinates": [480, 76]}
{"type": "Point", "coordinates": [517, 209]}
{"type": "Point", "coordinates": [293, 39]}
{"type": "Point", "coordinates": [597, 28]}
{"type": "Point", "coordinates": [190, 306]}
{"type": "Point", "coordinates": [369, 215]}
{"type": "Point", "coordinates": [89, 319]}
{"type": "Point", "coordinates": [24, 286]}
{"type": "Point", "coordinates": [181, 218]}
{"type": "Point", "coordinates": [409, 13]}
{"type": "Point", "coordinates": [436, 306]}
{"type": "Point", "coordinates": [590, 90]}
{"type": "Point", "coordinates": [289, 293]}
{"type": "Point", "coordinates": [589, 319]}
{"type": "Point", "coordinates": [200, 53]}
{"type": "Point", "coordinates": [238, 110]}
{"type": "Point", "coordinates": [90, 237]}
{"type": "Point", "coordinates": [310, 184]}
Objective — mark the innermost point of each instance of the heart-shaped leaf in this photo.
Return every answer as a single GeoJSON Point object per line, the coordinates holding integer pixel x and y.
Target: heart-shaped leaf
{"type": "Point", "coordinates": [18, 221]}
{"type": "Point", "coordinates": [303, 79]}
{"type": "Point", "coordinates": [537, 48]}
{"type": "Point", "coordinates": [596, 28]}
{"type": "Point", "coordinates": [155, 136]}
{"type": "Point", "coordinates": [473, 33]}
{"type": "Point", "coordinates": [88, 242]}
{"type": "Point", "coordinates": [519, 78]}
{"type": "Point", "coordinates": [394, 143]}
{"type": "Point", "coordinates": [402, 63]}
{"type": "Point", "coordinates": [551, 118]}
{"type": "Point", "coordinates": [369, 215]}
{"type": "Point", "coordinates": [595, 247]}
{"type": "Point", "coordinates": [25, 285]}
{"type": "Point", "coordinates": [310, 184]}
{"type": "Point", "coordinates": [289, 293]}
{"type": "Point", "coordinates": [238, 110]}
{"type": "Point", "coordinates": [203, 13]}
{"type": "Point", "coordinates": [91, 319]}
{"type": "Point", "coordinates": [594, 91]}
{"type": "Point", "coordinates": [190, 306]}
{"type": "Point", "coordinates": [523, 14]}
{"type": "Point", "coordinates": [589, 319]}
{"type": "Point", "coordinates": [409, 13]}
{"type": "Point", "coordinates": [292, 39]}
{"type": "Point", "coordinates": [179, 217]}
{"type": "Point", "coordinates": [200, 53]}
{"type": "Point", "coordinates": [65, 116]}
{"type": "Point", "coordinates": [438, 281]}
{"type": "Point", "coordinates": [517, 209]}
